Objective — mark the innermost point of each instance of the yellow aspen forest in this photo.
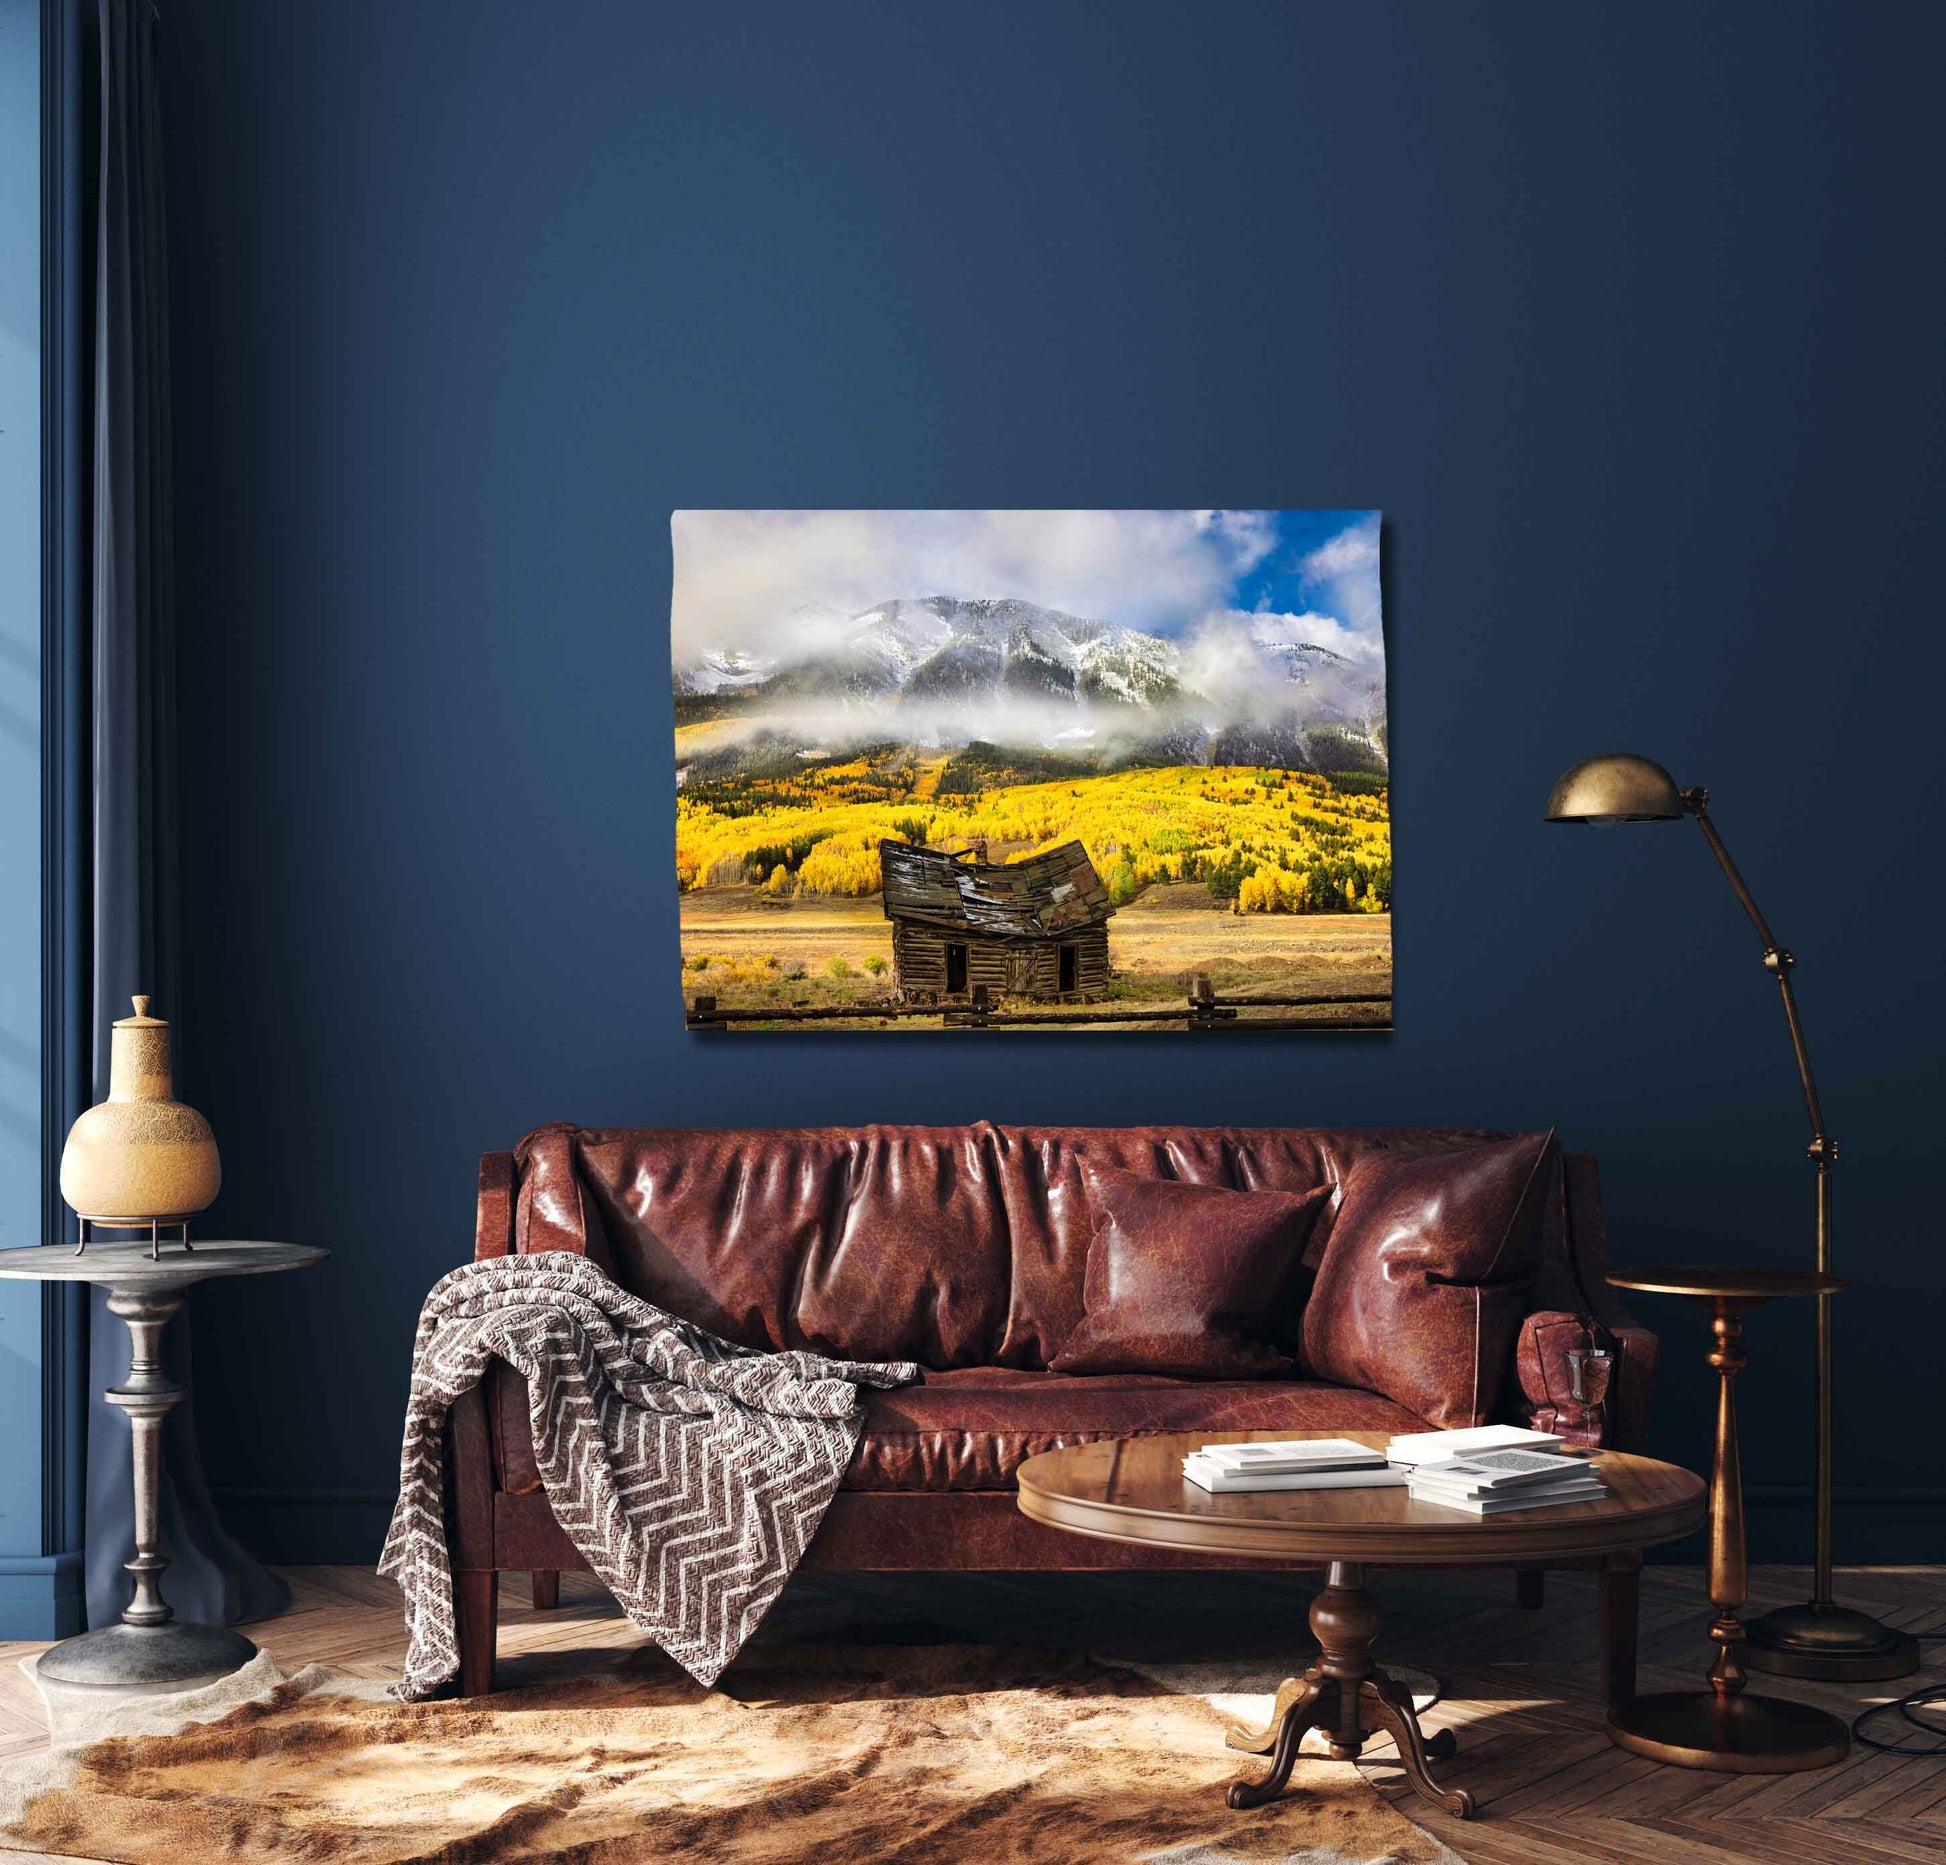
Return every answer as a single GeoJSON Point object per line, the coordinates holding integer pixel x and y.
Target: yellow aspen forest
{"type": "Point", "coordinates": [1272, 841]}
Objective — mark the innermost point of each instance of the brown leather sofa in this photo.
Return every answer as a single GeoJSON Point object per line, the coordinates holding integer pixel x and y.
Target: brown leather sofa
{"type": "Point", "coordinates": [963, 1248]}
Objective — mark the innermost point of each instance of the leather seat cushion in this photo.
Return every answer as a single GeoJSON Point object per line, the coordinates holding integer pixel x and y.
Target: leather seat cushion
{"type": "Point", "coordinates": [972, 1428]}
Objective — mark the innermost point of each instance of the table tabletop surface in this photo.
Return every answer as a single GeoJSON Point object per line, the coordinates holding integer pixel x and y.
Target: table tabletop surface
{"type": "Point", "coordinates": [125, 1263]}
{"type": "Point", "coordinates": [1133, 1490]}
{"type": "Point", "coordinates": [1713, 1281]}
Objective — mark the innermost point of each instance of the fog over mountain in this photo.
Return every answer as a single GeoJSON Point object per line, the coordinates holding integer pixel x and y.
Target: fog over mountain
{"type": "Point", "coordinates": [941, 671]}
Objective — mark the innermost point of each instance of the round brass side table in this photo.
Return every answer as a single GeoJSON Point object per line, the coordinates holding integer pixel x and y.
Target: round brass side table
{"type": "Point", "coordinates": [1724, 1727]}
{"type": "Point", "coordinates": [151, 1649]}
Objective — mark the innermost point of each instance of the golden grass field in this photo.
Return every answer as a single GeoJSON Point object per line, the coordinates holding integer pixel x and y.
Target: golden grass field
{"type": "Point", "coordinates": [753, 951]}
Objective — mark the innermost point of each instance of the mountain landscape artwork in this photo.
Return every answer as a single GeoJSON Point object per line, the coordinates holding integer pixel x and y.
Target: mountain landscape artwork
{"type": "Point", "coordinates": [1031, 770]}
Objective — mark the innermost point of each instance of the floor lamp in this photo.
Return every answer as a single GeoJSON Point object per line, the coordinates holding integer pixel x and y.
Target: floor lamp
{"type": "Point", "coordinates": [1820, 1638]}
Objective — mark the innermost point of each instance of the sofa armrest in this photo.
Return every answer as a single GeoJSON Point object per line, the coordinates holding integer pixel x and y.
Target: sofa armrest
{"type": "Point", "coordinates": [493, 1221]}
{"type": "Point", "coordinates": [1553, 1393]}
{"type": "Point", "coordinates": [553, 1209]}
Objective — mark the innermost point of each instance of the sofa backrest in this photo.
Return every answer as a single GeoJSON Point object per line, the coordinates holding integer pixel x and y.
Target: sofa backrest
{"type": "Point", "coordinates": [952, 1246]}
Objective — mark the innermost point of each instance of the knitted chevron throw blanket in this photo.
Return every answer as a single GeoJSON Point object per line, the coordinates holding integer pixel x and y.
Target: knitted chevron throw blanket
{"type": "Point", "coordinates": [690, 1473]}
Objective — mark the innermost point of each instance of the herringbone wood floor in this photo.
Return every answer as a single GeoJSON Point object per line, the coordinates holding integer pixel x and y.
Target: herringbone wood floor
{"type": "Point", "coordinates": [1521, 1690]}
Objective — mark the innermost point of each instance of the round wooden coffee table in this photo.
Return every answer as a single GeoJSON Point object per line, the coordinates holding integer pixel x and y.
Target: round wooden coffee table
{"type": "Point", "coordinates": [1133, 1490]}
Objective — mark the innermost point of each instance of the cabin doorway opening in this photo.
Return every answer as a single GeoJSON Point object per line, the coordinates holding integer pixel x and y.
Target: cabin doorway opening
{"type": "Point", "coordinates": [955, 968]}
{"type": "Point", "coordinates": [1070, 969]}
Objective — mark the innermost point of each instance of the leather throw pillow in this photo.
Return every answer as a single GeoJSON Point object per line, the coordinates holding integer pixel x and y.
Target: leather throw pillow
{"type": "Point", "coordinates": [1195, 1280]}
{"type": "Point", "coordinates": [1425, 1274]}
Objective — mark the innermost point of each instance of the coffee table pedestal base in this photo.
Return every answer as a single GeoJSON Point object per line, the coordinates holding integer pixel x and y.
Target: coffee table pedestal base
{"type": "Point", "coordinates": [1345, 1695]}
{"type": "Point", "coordinates": [1737, 1734]}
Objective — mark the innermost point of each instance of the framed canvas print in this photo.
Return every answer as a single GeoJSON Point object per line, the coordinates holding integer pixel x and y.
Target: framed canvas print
{"type": "Point", "coordinates": [1095, 770]}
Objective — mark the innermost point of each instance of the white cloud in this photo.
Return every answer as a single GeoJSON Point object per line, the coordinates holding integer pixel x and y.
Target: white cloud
{"type": "Point", "coordinates": [1352, 552]}
{"type": "Point", "coordinates": [1242, 665]}
{"type": "Point", "coordinates": [1230, 655]}
{"type": "Point", "coordinates": [1341, 578]}
{"type": "Point", "coordinates": [781, 583]}
{"type": "Point", "coordinates": [1251, 536]}
{"type": "Point", "coordinates": [1360, 646]}
{"type": "Point", "coordinates": [1222, 659]}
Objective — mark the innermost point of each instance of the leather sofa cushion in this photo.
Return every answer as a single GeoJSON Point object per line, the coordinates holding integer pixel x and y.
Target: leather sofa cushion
{"type": "Point", "coordinates": [868, 1243]}
{"type": "Point", "coordinates": [953, 1246]}
{"type": "Point", "coordinates": [1196, 1280]}
{"type": "Point", "coordinates": [973, 1428]}
{"type": "Point", "coordinates": [1426, 1276]}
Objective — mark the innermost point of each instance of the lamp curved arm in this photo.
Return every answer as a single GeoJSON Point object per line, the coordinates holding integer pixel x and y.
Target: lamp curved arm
{"type": "Point", "coordinates": [1779, 963]}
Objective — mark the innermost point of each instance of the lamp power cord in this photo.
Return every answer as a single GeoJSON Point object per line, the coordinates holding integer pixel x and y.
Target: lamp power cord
{"type": "Point", "coordinates": [1910, 1710]}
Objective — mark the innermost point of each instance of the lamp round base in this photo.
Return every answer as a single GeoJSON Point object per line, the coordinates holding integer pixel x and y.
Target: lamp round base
{"type": "Point", "coordinates": [137, 1659]}
{"type": "Point", "coordinates": [1833, 1644]}
{"type": "Point", "coordinates": [1728, 1735]}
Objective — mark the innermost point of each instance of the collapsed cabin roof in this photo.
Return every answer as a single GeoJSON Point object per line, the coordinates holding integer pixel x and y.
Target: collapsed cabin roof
{"type": "Point", "coordinates": [1047, 894]}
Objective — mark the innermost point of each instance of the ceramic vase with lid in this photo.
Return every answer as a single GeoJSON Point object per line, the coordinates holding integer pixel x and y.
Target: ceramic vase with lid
{"type": "Point", "coordinates": [140, 1155]}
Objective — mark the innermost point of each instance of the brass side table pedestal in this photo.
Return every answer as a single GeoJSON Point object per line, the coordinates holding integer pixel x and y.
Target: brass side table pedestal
{"type": "Point", "coordinates": [1723, 1727]}
{"type": "Point", "coordinates": [151, 1649]}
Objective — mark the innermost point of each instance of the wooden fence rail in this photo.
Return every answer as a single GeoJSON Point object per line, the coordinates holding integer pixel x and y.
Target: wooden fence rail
{"type": "Point", "coordinates": [1202, 1010]}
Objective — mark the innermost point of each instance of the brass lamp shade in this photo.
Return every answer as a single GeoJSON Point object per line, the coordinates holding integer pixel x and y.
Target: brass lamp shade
{"type": "Point", "coordinates": [1617, 788]}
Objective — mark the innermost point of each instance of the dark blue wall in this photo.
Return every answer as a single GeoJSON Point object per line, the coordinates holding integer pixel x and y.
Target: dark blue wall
{"type": "Point", "coordinates": [1630, 318]}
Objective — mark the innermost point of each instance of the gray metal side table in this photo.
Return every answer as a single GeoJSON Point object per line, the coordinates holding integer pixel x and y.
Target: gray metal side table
{"type": "Point", "coordinates": [151, 1650]}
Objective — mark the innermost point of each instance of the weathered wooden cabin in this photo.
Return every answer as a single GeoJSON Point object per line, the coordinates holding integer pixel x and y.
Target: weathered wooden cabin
{"type": "Point", "coordinates": [1036, 928]}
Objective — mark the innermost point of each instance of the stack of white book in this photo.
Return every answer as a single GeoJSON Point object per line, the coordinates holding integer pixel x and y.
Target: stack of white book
{"type": "Point", "coordinates": [1493, 1482]}
{"type": "Point", "coordinates": [1431, 1447]}
{"type": "Point", "coordinates": [1293, 1463]}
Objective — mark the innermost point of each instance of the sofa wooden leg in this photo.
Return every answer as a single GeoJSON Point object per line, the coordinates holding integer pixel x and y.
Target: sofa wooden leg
{"type": "Point", "coordinates": [476, 1602]}
{"type": "Point", "coordinates": [547, 1588]}
{"type": "Point", "coordinates": [1530, 1588]}
{"type": "Point", "coordinates": [1621, 1585]}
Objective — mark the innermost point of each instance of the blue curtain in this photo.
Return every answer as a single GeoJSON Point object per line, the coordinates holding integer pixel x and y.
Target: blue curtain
{"type": "Point", "coordinates": [130, 924]}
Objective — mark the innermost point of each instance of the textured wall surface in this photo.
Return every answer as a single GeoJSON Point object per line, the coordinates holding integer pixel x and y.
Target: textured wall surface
{"type": "Point", "coordinates": [1628, 318]}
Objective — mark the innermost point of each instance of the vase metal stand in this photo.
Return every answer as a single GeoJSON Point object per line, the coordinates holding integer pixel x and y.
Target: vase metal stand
{"type": "Point", "coordinates": [151, 1650]}
{"type": "Point", "coordinates": [155, 1226]}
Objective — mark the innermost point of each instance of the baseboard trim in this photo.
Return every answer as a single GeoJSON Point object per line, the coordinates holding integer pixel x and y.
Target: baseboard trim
{"type": "Point", "coordinates": [40, 1595]}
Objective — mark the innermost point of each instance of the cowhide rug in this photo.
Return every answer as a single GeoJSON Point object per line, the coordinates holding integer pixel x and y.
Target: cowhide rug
{"type": "Point", "coordinates": [892, 1754]}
